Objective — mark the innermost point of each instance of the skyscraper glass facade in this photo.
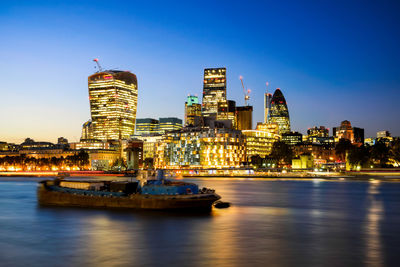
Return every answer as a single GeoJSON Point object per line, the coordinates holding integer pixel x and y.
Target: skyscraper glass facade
{"type": "Point", "coordinates": [113, 103]}
{"type": "Point", "coordinates": [279, 112]}
{"type": "Point", "coordinates": [192, 111]}
{"type": "Point", "coordinates": [214, 90]}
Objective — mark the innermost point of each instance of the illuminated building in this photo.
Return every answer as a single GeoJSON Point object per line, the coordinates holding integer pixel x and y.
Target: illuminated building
{"type": "Point", "coordinates": [382, 134]}
{"type": "Point", "coordinates": [113, 103]}
{"type": "Point", "coordinates": [244, 118]}
{"type": "Point", "coordinates": [303, 162]}
{"type": "Point", "coordinates": [147, 126]}
{"type": "Point", "coordinates": [267, 106]}
{"type": "Point", "coordinates": [87, 130]}
{"type": "Point", "coordinates": [369, 141]}
{"type": "Point", "coordinates": [226, 112]}
{"type": "Point", "coordinates": [346, 131]}
{"type": "Point", "coordinates": [292, 138]}
{"type": "Point", "coordinates": [320, 131]}
{"type": "Point", "coordinates": [192, 111]}
{"type": "Point", "coordinates": [259, 142]}
{"type": "Point", "coordinates": [214, 90]}
{"type": "Point", "coordinates": [169, 124]}
{"type": "Point", "coordinates": [134, 154]}
{"type": "Point", "coordinates": [149, 144]}
{"type": "Point", "coordinates": [202, 148]}
{"type": "Point", "coordinates": [268, 127]}
{"type": "Point", "coordinates": [62, 141]}
{"type": "Point", "coordinates": [318, 151]}
{"type": "Point", "coordinates": [103, 159]}
{"type": "Point", "coordinates": [90, 144]}
{"type": "Point", "coordinates": [279, 112]}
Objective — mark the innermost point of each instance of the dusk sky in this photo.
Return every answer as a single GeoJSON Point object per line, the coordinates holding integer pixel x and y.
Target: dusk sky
{"type": "Point", "coordinates": [333, 60]}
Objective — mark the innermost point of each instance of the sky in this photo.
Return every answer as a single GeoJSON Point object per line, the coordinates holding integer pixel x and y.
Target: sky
{"type": "Point", "coordinates": [333, 60]}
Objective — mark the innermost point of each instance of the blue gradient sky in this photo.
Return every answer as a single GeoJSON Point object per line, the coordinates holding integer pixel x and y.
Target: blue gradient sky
{"type": "Point", "coordinates": [333, 60]}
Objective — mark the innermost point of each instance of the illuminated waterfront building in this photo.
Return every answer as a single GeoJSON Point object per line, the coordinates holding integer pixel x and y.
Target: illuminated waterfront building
{"type": "Point", "coordinates": [227, 112]}
{"type": "Point", "coordinates": [279, 112]}
{"type": "Point", "coordinates": [268, 127]}
{"type": "Point", "coordinates": [244, 118]}
{"type": "Point", "coordinates": [147, 126]}
{"type": "Point", "coordinates": [202, 148]}
{"type": "Point", "coordinates": [90, 144]}
{"type": "Point", "coordinates": [292, 138]}
{"type": "Point", "coordinates": [259, 142]}
{"type": "Point", "coordinates": [113, 103]}
{"type": "Point", "coordinates": [169, 124]}
{"type": "Point", "coordinates": [87, 130]}
{"type": "Point", "coordinates": [149, 144]}
{"type": "Point", "coordinates": [192, 111]}
{"type": "Point", "coordinates": [214, 90]}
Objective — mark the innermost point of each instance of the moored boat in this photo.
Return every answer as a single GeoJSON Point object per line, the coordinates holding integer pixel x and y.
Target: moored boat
{"type": "Point", "coordinates": [158, 194]}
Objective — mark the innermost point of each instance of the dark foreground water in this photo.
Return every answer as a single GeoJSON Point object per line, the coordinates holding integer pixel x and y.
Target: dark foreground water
{"type": "Point", "coordinates": [271, 223]}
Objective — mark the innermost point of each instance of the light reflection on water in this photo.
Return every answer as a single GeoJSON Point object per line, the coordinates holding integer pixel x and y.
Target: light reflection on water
{"type": "Point", "coordinates": [278, 223]}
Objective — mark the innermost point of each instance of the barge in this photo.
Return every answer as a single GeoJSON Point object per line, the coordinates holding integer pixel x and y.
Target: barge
{"type": "Point", "coordinates": [157, 194]}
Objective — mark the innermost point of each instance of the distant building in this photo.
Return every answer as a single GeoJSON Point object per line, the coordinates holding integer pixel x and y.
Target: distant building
{"type": "Point", "coordinates": [292, 138]}
{"type": "Point", "coordinates": [259, 142]}
{"type": "Point", "coordinates": [113, 103]}
{"type": "Point", "coordinates": [214, 90]}
{"type": "Point", "coordinates": [346, 131]}
{"type": "Point", "coordinates": [87, 130]}
{"type": "Point", "coordinates": [62, 141]}
{"type": "Point", "coordinates": [149, 144]}
{"type": "Point", "coordinates": [192, 111]}
{"type": "Point", "coordinates": [279, 112]}
{"type": "Point", "coordinates": [320, 131]}
{"type": "Point", "coordinates": [244, 118]}
{"type": "Point", "coordinates": [226, 111]}
{"type": "Point", "coordinates": [169, 124]}
{"type": "Point", "coordinates": [382, 134]}
{"type": "Point", "coordinates": [134, 154]}
{"type": "Point", "coordinates": [267, 106]}
{"type": "Point", "coordinates": [147, 126]}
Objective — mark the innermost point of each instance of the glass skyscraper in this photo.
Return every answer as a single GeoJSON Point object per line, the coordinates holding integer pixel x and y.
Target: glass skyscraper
{"type": "Point", "coordinates": [214, 90]}
{"type": "Point", "coordinates": [279, 112]}
{"type": "Point", "coordinates": [113, 103]}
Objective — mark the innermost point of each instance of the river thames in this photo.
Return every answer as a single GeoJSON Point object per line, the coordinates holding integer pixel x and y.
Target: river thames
{"type": "Point", "coordinates": [270, 223]}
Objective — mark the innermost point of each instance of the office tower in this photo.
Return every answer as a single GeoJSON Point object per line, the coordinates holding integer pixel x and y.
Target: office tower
{"type": "Point", "coordinates": [267, 106]}
{"type": "Point", "coordinates": [192, 111]}
{"type": "Point", "coordinates": [226, 112]}
{"type": "Point", "coordinates": [113, 103]}
{"type": "Point", "coordinates": [279, 112]}
{"type": "Point", "coordinates": [169, 124]}
{"type": "Point", "coordinates": [147, 126]}
{"type": "Point", "coordinates": [244, 118]}
{"type": "Point", "coordinates": [320, 131]}
{"type": "Point", "coordinates": [87, 130]}
{"type": "Point", "coordinates": [214, 90]}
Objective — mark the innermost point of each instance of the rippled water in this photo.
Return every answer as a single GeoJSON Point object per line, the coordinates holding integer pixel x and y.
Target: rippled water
{"type": "Point", "coordinates": [271, 223]}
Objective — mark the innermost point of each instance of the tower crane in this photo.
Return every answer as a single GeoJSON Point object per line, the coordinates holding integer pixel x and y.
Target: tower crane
{"type": "Point", "coordinates": [98, 64]}
{"type": "Point", "coordinates": [245, 92]}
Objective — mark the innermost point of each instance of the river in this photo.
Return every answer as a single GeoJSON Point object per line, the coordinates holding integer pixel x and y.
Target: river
{"type": "Point", "coordinates": [270, 223]}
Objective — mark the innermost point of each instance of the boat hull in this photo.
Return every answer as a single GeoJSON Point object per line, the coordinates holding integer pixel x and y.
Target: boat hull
{"type": "Point", "coordinates": [203, 202]}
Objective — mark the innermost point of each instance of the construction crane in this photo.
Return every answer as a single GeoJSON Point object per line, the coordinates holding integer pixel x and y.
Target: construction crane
{"type": "Point", "coordinates": [245, 92]}
{"type": "Point", "coordinates": [98, 64]}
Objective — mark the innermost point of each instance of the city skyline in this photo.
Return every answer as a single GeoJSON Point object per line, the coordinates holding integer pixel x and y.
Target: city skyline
{"type": "Point", "coordinates": [50, 98]}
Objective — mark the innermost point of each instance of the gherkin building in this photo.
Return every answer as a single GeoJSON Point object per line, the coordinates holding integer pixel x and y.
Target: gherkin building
{"type": "Point", "coordinates": [279, 112]}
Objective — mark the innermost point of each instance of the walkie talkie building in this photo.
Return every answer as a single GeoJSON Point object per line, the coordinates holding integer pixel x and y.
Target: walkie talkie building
{"type": "Point", "coordinates": [113, 103]}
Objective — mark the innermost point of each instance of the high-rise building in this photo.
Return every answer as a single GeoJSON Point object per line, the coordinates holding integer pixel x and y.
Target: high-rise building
{"type": "Point", "coordinates": [267, 106]}
{"type": "Point", "coordinates": [226, 112]}
{"type": "Point", "coordinates": [214, 90]}
{"type": "Point", "coordinates": [147, 126]}
{"type": "Point", "coordinates": [244, 118]}
{"type": "Point", "coordinates": [169, 124]}
{"type": "Point", "coordinates": [192, 111]}
{"type": "Point", "coordinates": [113, 103]}
{"type": "Point", "coordinates": [279, 112]}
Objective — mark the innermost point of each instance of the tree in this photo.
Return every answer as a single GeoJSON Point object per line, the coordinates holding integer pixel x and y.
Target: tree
{"type": "Point", "coordinates": [359, 156]}
{"type": "Point", "coordinates": [343, 146]}
{"type": "Point", "coordinates": [256, 160]}
{"type": "Point", "coordinates": [380, 153]}
{"type": "Point", "coordinates": [395, 150]}
{"type": "Point", "coordinates": [281, 152]}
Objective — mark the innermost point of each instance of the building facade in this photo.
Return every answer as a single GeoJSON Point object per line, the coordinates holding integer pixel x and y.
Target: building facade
{"type": "Point", "coordinates": [214, 90]}
{"type": "Point", "coordinates": [279, 112]}
{"type": "Point", "coordinates": [113, 104]}
{"type": "Point", "coordinates": [192, 111]}
{"type": "Point", "coordinates": [147, 126]}
{"type": "Point", "coordinates": [244, 118]}
{"type": "Point", "coordinates": [169, 124]}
